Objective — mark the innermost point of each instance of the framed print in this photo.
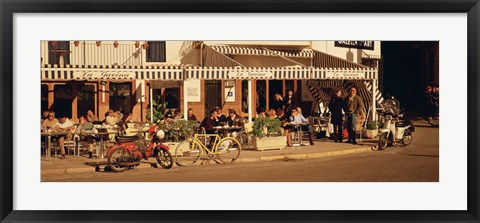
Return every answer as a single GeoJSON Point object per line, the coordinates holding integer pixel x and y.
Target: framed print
{"type": "Point", "coordinates": [145, 67]}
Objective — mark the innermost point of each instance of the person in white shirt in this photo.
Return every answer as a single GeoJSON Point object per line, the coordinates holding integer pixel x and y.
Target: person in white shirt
{"type": "Point", "coordinates": [64, 125]}
{"type": "Point", "coordinates": [297, 117]}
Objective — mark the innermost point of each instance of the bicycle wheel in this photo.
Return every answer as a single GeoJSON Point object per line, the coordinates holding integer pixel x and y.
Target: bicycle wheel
{"type": "Point", "coordinates": [187, 153]}
{"type": "Point", "coordinates": [116, 157]}
{"type": "Point", "coordinates": [164, 158]}
{"type": "Point", "coordinates": [228, 150]}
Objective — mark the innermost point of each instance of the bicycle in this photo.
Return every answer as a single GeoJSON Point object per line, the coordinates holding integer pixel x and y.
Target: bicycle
{"type": "Point", "coordinates": [223, 150]}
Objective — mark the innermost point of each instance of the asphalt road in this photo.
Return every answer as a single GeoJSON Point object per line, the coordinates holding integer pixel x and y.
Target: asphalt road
{"type": "Point", "coordinates": [418, 162]}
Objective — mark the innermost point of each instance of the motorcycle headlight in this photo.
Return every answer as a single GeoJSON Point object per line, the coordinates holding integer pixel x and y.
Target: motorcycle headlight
{"type": "Point", "coordinates": [160, 134]}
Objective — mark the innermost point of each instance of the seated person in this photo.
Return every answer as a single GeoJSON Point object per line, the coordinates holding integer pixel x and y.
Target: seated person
{"type": "Point", "coordinates": [191, 116]}
{"type": "Point", "coordinates": [261, 112]}
{"type": "Point", "coordinates": [208, 123]}
{"type": "Point", "coordinates": [272, 114]}
{"type": "Point", "coordinates": [112, 118]}
{"type": "Point", "coordinates": [177, 115]}
{"type": "Point", "coordinates": [85, 130]}
{"type": "Point", "coordinates": [221, 118]}
{"type": "Point", "coordinates": [297, 117]}
{"type": "Point", "coordinates": [91, 117]}
{"type": "Point", "coordinates": [51, 123]}
{"type": "Point", "coordinates": [234, 120]}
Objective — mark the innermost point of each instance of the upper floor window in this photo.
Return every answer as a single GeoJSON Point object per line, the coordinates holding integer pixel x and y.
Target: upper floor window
{"type": "Point", "coordinates": [59, 52]}
{"type": "Point", "coordinates": [156, 51]}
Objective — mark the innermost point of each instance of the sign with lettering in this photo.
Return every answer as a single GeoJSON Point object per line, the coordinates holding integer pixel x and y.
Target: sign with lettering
{"type": "Point", "coordinates": [250, 74]}
{"type": "Point", "coordinates": [345, 74]}
{"type": "Point", "coordinates": [117, 74]}
{"type": "Point", "coordinates": [367, 45]}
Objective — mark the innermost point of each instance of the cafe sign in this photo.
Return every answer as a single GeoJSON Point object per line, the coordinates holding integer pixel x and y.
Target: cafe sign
{"type": "Point", "coordinates": [367, 45]}
{"type": "Point", "coordinates": [345, 74]}
{"type": "Point", "coordinates": [250, 74]}
{"type": "Point", "coordinates": [104, 75]}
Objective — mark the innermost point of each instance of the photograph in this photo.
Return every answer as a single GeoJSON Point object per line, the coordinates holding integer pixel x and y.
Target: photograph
{"type": "Point", "coordinates": [239, 111]}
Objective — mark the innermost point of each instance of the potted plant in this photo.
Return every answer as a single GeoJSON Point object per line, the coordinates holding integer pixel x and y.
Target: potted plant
{"type": "Point", "coordinates": [115, 44]}
{"type": "Point", "coordinates": [267, 134]}
{"type": "Point", "coordinates": [159, 110]}
{"type": "Point", "coordinates": [98, 43]}
{"type": "Point", "coordinates": [372, 129]}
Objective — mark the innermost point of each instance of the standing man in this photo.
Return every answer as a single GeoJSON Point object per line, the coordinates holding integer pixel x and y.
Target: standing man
{"type": "Point", "coordinates": [290, 103]}
{"type": "Point", "coordinates": [353, 106]}
{"type": "Point", "coordinates": [277, 102]}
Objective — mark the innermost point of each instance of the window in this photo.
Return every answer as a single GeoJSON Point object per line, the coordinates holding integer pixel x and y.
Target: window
{"type": "Point", "coordinates": [261, 94]}
{"type": "Point", "coordinates": [44, 97]}
{"type": "Point", "coordinates": [172, 97]}
{"type": "Point", "coordinates": [156, 51]}
{"type": "Point", "coordinates": [120, 97]}
{"type": "Point", "coordinates": [245, 96]}
{"type": "Point", "coordinates": [63, 100]}
{"type": "Point", "coordinates": [58, 51]}
{"type": "Point", "coordinates": [85, 99]}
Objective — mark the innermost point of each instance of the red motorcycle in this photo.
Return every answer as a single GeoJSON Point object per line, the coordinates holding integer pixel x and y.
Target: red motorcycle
{"type": "Point", "coordinates": [128, 151]}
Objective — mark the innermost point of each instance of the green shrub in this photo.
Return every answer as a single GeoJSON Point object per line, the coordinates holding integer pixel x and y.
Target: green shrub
{"type": "Point", "coordinates": [271, 126]}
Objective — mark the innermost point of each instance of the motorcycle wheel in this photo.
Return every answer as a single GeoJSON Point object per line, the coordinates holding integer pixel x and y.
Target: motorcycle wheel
{"type": "Point", "coordinates": [164, 158]}
{"type": "Point", "coordinates": [407, 137]}
{"type": "Point", "coordinates": [187, 153]}
{"type": "Point", "coordinates": [228, 150]}
{"type": "Point", "coordinates": [383, 141]}
{"type": "Point", "coordinates": [117, 154]}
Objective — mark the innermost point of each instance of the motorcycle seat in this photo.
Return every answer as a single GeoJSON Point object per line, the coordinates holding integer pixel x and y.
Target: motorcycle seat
{"type": "Point", "coordinates": [123, 139]}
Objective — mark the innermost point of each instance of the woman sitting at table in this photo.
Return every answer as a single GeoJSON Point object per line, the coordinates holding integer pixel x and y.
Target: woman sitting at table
{"type": "Point", "coordinates": [297, 117]}
{"type": "Point", "coordinates": [85, 130]}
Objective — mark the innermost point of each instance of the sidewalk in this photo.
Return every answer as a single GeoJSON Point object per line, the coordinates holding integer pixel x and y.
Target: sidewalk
{"type": "Point", "coordinates": [322, 148]}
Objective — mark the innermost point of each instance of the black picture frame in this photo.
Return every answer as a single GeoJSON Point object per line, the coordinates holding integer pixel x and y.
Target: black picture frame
{"type": "Point", "coordinates": [9, 7]}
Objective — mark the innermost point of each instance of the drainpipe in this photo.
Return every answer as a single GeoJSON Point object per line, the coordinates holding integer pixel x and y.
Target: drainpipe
{"type": "Point", "coordinates": [151, 104]}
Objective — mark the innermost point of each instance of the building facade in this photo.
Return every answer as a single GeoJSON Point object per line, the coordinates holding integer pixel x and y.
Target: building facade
{"type": "Point", "coordinates": [126, 75]}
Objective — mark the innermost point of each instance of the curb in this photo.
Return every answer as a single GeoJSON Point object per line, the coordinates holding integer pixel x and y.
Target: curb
{"type": "Point", "coordinates": [308, 155]}
{"type": "Point", "coordinates": [240, 160]}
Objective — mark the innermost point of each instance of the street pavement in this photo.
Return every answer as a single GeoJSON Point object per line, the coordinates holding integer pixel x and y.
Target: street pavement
{"type": "Point", "coordinates": [325, 161]}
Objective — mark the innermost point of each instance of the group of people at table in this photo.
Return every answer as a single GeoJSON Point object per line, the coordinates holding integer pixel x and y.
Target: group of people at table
{"type": "Point", "coordinates": [84, 129]}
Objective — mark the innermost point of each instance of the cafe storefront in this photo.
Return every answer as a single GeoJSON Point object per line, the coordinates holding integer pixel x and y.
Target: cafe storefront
{"type": "Point", "coordinates": [73, 89]}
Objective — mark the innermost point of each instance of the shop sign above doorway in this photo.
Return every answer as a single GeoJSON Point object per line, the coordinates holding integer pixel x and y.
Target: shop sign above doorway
{"type": "Point", "coordinates": [104, 74]}
{"type": "Point", "coordinates": [367, 45]}
{"type": "Point", "coordinates": [345, 74]}
{"type": "Point", "coordinates": [250, 74]}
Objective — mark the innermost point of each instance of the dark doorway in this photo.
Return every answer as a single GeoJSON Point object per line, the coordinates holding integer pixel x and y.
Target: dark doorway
{"type": "Point", "coordinates": [274, 87]}
{"type": "Point", "coordinates": [62, 104]}
{"type": "Point", "coordinates": [213, 95]}
{"type": "Point", "coordinates": [85, 99]}
{"type": "Point", "coordinates": [44, 97]}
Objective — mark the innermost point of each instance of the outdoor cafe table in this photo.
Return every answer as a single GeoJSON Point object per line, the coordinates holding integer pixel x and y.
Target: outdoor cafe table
{"type": "Point", "coordinates": [226, 129]}
{"type": "Point", "coordinates": [49, 135]}
{"type": "Point", "coordinates": [298, 134]}
{"type": "Point", "coordinates": [100, 134]}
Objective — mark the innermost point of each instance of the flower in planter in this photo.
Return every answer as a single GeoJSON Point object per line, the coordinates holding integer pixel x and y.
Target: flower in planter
{"type": "Point", "coordinates": [115, 44]}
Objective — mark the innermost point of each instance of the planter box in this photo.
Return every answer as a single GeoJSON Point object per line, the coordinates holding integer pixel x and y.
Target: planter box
{"type": "Point", "coordinates": [268, 143]}
{"type": "Point", "coordinates": [372, 133]}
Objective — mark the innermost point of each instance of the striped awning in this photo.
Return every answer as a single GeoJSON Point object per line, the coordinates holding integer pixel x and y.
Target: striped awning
{"type": "Point", "coordinates": [107, 72]}
{"type": "Point", "coordinates": [258, 51]}
{"type": "Point", "coordinates": [344, 74]}
{"type": "Point", "coordinates": [247, 73]}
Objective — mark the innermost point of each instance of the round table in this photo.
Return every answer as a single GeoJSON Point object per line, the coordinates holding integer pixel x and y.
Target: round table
{"type": "Point", "coordinates": [226, 129]}
{"type": "Point", "coordinates": [297, 127]}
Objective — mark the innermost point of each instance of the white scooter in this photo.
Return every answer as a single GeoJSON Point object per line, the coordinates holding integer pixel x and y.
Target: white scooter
{"type": "Point", "coordinates": [394, 132]}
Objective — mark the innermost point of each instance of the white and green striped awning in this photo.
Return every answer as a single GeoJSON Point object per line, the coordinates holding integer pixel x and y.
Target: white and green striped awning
{"type": "Point", "coordinates": [262, 51]}
{"type": "Point", "coordinates": [220, 73]}
{"type": "Point", "coordinates": [114, 72]}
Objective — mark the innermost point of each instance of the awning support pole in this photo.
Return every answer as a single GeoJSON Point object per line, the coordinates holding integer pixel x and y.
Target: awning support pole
{"type": "Point", "coordinates": [151, 104]}
{"type": "Point", "coordinates": [185, 102]}
{"type": "Point", "coordinates": [250, 112]}
{"type": "Point", "coordinates": [374, 100]}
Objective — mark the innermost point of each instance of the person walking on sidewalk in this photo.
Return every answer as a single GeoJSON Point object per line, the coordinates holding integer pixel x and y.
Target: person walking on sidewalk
{"type": "Point", "coordinates": [335, 106]}
{"type": "Point", "coordinates": [353, 106]}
